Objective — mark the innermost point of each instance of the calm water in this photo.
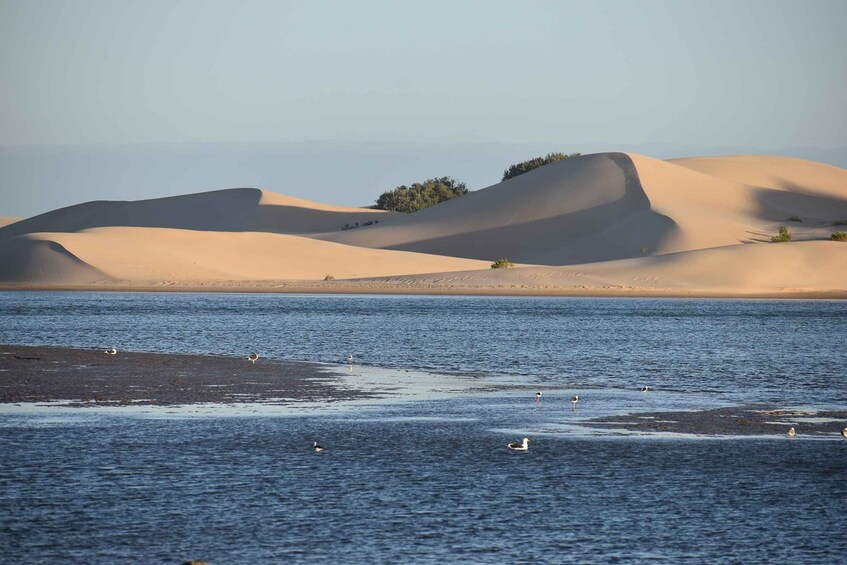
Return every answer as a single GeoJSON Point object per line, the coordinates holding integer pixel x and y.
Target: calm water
{"type": "Point", "coordinates": [782, 351]}
{"type": "Point", "coordinates": [431, 481]}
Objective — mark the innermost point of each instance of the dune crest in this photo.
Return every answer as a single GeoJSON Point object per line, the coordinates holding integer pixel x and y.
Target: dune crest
{"type": "Point", "coordinates": [579, 210]}
{"type": "Point", "coordinates": [231, 210]}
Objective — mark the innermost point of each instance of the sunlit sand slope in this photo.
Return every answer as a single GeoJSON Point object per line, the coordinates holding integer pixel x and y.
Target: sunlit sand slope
{"type": "Point", "coordinates": [154, 255]}
{"type": "Point", "coordinates": [807, 266]}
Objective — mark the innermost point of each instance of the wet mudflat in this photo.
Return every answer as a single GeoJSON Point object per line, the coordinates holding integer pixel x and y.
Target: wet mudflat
{"type": "Point", "coordinates": [736, 420]}
{"type": "Point", "coordinates": [93, 377]}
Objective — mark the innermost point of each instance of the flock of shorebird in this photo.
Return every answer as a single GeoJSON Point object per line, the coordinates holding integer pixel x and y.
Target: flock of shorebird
{"type": "Point", "coordinates": [515, 445]}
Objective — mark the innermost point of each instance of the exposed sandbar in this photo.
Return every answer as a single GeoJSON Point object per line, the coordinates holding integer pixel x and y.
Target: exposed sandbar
{"type": "Point", "coordinates": [91, 377]}
{"type": "Point", "coordinates": [736, 420]}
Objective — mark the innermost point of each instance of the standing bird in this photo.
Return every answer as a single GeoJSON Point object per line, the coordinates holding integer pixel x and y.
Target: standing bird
{"type": "Point", "coordinates": [791, 432]}
{"type": "Point", "coordinates": [317, 447]}
{"type": "Point", "coordinates": [645, 389]}
{"type": "Point", "coordinates": [348, 359]}
{"type": "Point", "coordinates": [111, 351]}
{"type": "Point", "coordinates": [574, 400]}
{"type": "Point", "coordinates": [844, 433]}
{"type": "Point", "coordinates": [522, 446]}
{"type": "Point", "coordinates": [253, 357]}
{"type": "Point", "coordinates": [538, 396]}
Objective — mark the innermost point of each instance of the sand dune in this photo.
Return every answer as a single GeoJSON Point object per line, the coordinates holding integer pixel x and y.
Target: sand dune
{"type": "Point", "coordinates": [739, 269]}
{"type": "Point", "coordinates": [156, 255]}
{"type": "Point", "coordinates": [233, 210]}
{"type": "Point", "coordinates": [36, 261]}
{"type": "Point", "coordinates": [613, 206]}
{"type": "Point", "coordinates": [604, 223]}
{"type": "Point", "coordinates": [6, 220]}
{"type": "Point", "coordinates": [572, 211]}
{"type": "Point", "coordinates": [781, 173]}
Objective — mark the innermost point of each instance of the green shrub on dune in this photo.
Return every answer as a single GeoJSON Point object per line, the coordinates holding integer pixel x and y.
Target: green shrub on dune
{"type": "Point", "coordinates": [839, 236]}
{"type": "Point", "coordinates": [420, 195]}
{"type": "Point", "coordinates": [502, 264]}
{"type": "Point", "coordinates": [526, 166]}
{"type": "Point", "coordinates": [782, 235]}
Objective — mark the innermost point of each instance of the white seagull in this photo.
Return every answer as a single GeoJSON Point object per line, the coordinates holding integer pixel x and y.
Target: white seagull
{"type": "Point", "coordinates": [253, 357]}
{"type": "Point", "coordinates": [538, 396]}
{"type": "Point", "coordinates": [645, 389]}
{"type": "Point", "coordinates": [844, 433]}
{"type": "Point", "coordinates": [348, 358]}
{"type": "Point", "coordinates": [574, 400]}
{"type": "Point", "coordinates": [317, 447]}
{"type": "Point", "coordinates": [111, 351]}
{"type": "Point", "coordinates": [522, 446]}
{"type": "Point", "coordinates": [791, 432]}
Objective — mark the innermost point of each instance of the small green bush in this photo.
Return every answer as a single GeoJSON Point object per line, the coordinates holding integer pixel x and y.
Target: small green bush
{"type": "Point", "coordinates": [839, 236]}
{"type": "Point", "coordinates": [526, 166]}
{"type": "Point", "coordinates": [783, 235]}
{"type": "Point", "coordinates": [329, 278]}
{"type": "Point", "coordinates": [502, 264]}
{"type": "Point", "coordinates": [421, 195]}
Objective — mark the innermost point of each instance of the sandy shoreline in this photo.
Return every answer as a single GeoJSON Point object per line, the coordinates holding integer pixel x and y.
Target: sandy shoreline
{"type": "Point", "coordinates": [86, 377]}
{"type": "Point", "coordinates": [353, 287]}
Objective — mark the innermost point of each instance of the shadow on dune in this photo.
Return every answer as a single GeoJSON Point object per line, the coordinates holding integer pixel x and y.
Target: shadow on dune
{"type": "Point", "coordinates": [230, 210]}
{"type": "Point", "coordinates": [757, 237]}
{"type": "Point", "coordinates": [25, 260]}
{"type": "Point", "coordinates": [277, 218]}
{"type": "Point", "coordinates": [221, 210]}
{"type": "Point", "coordinates": [541, 242]}
{"type": "Point", "coordinates": [779, 205]}
{"type": "Point", "coordinates": [623, 229]}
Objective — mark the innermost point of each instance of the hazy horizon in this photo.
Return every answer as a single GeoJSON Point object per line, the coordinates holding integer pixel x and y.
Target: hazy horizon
{"type": "Point", "coordinates": [96, 92]}
{"type": "Point", "coordinates": [43, 178]}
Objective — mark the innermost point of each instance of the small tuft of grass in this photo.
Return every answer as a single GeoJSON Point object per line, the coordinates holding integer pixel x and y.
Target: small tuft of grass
{"type": "Point", "coordinates": [839, 236]}
{"type": "Point", "coordinates": [329, 278]}
{"type": "Point", "coordinates": [502, 264]}
{"type": "Point", "coordinates": [782, 235]}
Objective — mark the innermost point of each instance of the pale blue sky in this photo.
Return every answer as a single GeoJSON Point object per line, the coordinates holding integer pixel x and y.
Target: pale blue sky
{"type": "Point", "coordinates": [560, 75]}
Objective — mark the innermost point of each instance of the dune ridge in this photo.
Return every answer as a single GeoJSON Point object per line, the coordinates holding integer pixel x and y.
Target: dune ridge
{"type": "Point", "coordinates": [568, 212]}
{"type": "Point", "coordinates": [606, 223]}
{"type": "Point", "coordinates": [231, 210]}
